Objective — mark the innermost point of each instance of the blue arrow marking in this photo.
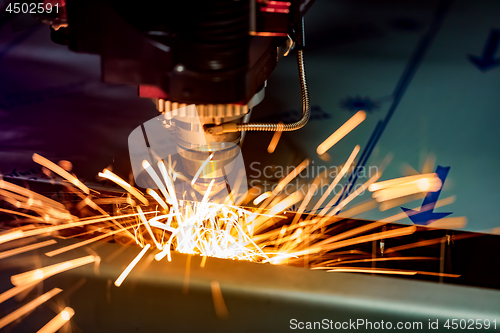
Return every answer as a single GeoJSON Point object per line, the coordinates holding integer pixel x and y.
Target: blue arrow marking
{"type": "Point", "coordinates": [426, 213]}
{"type": "Point", "coordinates": [411, 68]}
{"type": "Point", "coordinates": [487, 60]}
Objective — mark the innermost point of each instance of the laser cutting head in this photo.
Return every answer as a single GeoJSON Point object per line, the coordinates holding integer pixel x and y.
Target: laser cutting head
{"type": "Point", "coordinates": [204, 162]}
{"type": "Point", "coordinates": [215, 54]}
{"type": "Point", "coordinates": [205, 156]}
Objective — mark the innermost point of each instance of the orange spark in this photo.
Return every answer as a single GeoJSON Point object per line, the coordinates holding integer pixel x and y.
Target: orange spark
{"type": "Point", "coordinates": [168, 182]}
{"type": "Point", "coordinates": [15, 290]}
{"type": "Point", "coordinates": [203, 261]}
{"type": "Point", "coordinates": [399, 181]}
{"type": "Point", "coordinates": [157, 198]}
{"type": "Point", "coordinates": [112, 201]}
{"type": "Point", "coordinates": [342, 131]}
{"type": "Point", "coordinates": [325, 157]}
{"type": "Point", "coordinates": [27, 248]}
{"type": "Point", "coordinates": [28, 307]}
{"type": "Point", "coordinates": [368, 238]}
{"type": "Point", "coordinates": [21, 214]}
{"type": "Point", "coordinates": [130, 266]}
{"type": "Point", "coordinates": [399, 201]}
{"type": "Point", "coordinates": [132, 190]}
{"type": "Point", "coordinates": [156, 179]}
{"type": "Point", "coordinates": [439, 274]}
{"type": "Point", "coordinates": [337, 179]}
{"type": "Point", "coordinates": [61, 172]}
{"type": "Point", "coordinates": [421, 185]}
{"type": "Point", "coordinates": [11, 235]}
{"type": "Point", "coordinates": [274, 141]}
{"type": "Point", "coordinates": [23, 234]}
{"type": "Point", "coordinates": [372, 270]}
{"type": "Point", "coordinates": [94, 206]}
{"type": "Point", "coordinates": [58, 321]}
{"type": "Point", "coordinates": [349, 198]}
{"type": "Point", "coordinates": [309, 195]}
{"type": "Point", "coordinates": [82, 243]}
{"type": "Point", "coordinates": [287, 202]}
{"type": "Point", "coordinates": [49, 203]}
{"type": "Point", "coordinates": [219, 304]}
{"type": "Point", "coordinates": [350, 233]}
{"type": "Point", "coordinates": [148, 228]}
{"type": "Point", "coordinates": [40, 274]}
{"type": "Point", "coordinates": [281, 185]}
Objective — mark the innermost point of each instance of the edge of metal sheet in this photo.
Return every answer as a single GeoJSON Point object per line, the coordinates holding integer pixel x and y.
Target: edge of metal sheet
{"type": "Point", "coordinates": [160, 296]}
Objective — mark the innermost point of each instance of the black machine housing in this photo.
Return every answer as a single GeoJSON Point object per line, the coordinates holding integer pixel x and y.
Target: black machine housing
{"type": "Point", "coordinates": [204, 52]}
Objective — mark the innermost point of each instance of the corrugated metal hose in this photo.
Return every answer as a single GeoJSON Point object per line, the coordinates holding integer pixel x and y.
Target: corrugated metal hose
{"type": "Point", "coordinates": [272, 127]}
{"type": "Point", "coordinates": [306, 107]}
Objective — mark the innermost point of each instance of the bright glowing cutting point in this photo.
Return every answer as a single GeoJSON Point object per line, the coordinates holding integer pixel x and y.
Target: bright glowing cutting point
{"type": "Point", "coordinates": [219, 229]}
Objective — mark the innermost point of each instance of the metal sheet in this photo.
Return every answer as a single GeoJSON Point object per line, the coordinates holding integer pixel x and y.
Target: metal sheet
{"type": "Point", "coordinates": [259, 297]}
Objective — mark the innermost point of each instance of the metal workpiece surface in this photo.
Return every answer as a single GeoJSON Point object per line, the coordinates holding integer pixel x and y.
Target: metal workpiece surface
{"type": "Point", "coordinates": [161, 297]}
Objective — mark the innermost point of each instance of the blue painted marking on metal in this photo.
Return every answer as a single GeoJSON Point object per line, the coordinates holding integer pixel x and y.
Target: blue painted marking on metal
{"type": "Point", "coordinates": [426, 213]}
{"type": "Point", "coordinates": [487, 60]}
{"type": "Point", "coordinates": [403, 83]}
